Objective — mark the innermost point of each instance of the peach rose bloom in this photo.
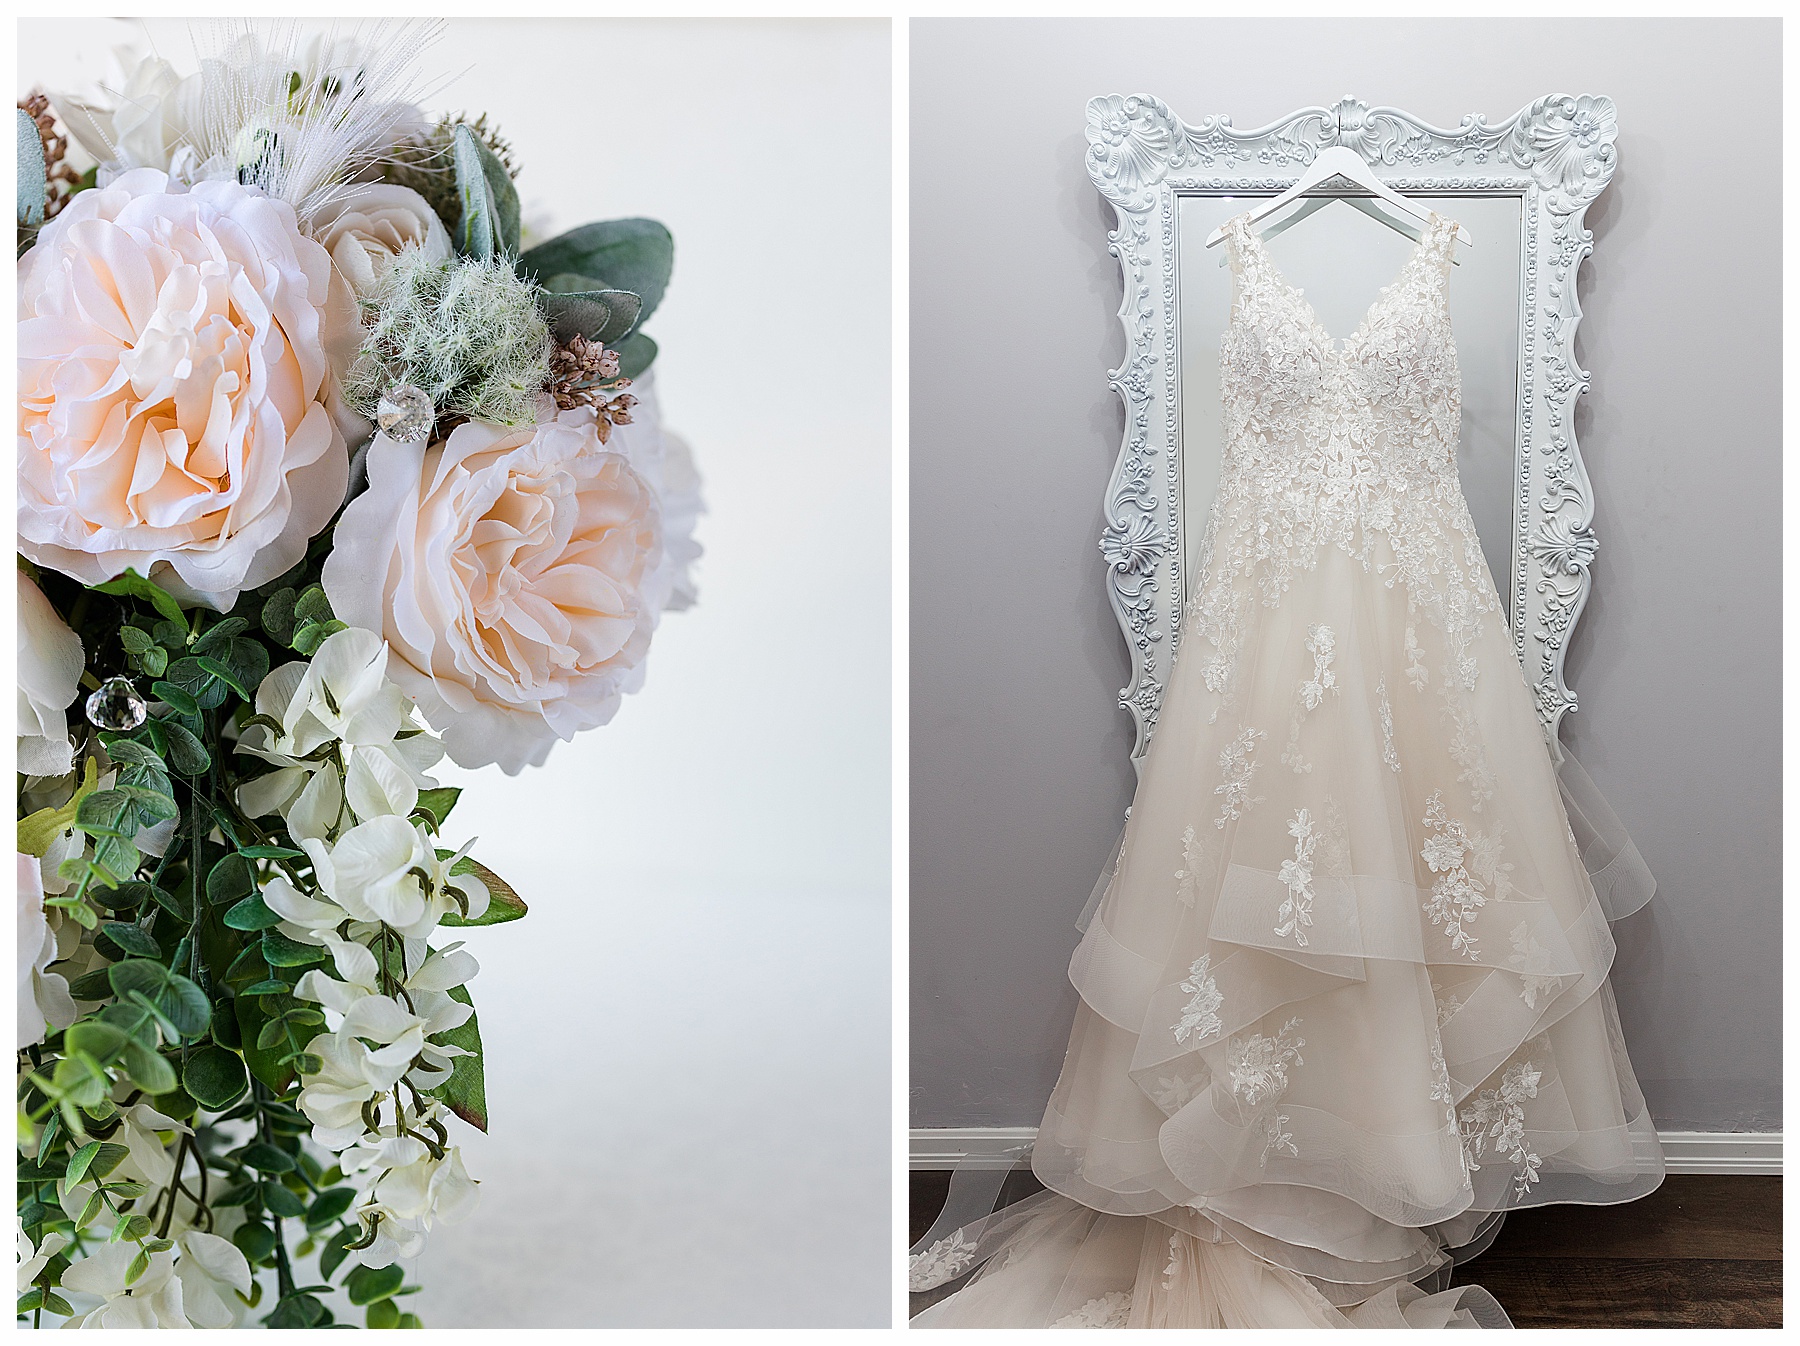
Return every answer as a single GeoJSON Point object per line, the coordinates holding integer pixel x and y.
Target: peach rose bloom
{"type": "Point", "coordinates": [173, 387]}
{"type": "Point", "coordinates": [508, 571]}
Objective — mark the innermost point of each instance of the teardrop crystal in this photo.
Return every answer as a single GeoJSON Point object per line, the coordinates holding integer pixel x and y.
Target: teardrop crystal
{"type": "Point", "coordinates": [116, 706]}
{"type": "Point", "coordinates": [405, 413]}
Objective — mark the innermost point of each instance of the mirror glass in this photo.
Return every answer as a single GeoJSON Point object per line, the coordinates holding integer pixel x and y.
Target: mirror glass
{"type": "Point", "coordinates": [1342, 258]}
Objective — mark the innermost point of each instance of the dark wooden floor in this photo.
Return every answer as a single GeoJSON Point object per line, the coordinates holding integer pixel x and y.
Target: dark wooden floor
{"type": "Point", "coordinates": [1700, 1251]}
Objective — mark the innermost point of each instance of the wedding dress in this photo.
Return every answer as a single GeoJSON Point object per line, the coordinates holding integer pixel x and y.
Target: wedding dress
{"type": "Point", "coordinates": [1344, 995]}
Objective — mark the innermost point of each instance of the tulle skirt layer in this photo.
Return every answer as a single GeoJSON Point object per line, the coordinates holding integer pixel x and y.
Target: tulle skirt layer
{"type": "Point", "coordinates": [1344, 994]}
{"type": "Point", "coordinates": [1065, 1265]}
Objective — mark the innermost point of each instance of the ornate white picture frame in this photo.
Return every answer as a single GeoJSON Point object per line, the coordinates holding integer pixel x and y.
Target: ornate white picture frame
{"type": "Point", "coordinates": [1556, 155]}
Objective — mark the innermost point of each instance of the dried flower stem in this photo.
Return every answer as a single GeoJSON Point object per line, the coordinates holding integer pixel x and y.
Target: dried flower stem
{"type": "Point", "coordinates": [584, 373]}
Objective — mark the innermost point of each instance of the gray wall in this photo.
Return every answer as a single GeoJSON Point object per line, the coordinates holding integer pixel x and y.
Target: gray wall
{"type": "Point", "coordinates": [1020, 775]}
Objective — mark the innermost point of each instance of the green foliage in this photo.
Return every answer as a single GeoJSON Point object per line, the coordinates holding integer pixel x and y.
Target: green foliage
{"type": "Point", "coordinates": [503, 903]}
{"type": "Point", "coordinates": [465, 1092]}
{"type": "Point", "coordinates": [251, 914]}
{"type": "Point", "coordinates": [135, 585]}
{"type": "Point", "coordinates": [33, 179]}
{"type": "Point", "coordinates": [215, 1077]}
{"type": "Point", "coordinates": [427, 165]}
{"type": "Point", "coordinates": [574, 310]}
{"type": "Point", "coordinates": [634, 255]}
{"type": "Point", "coordinates": [383, 1313]}
{"type": "Point", "coordinates": [299, 619]}
{"type": "Point", "coordinates": [636, 352]}
{"type": "Point", "coordinates": [489, 214]}
{"type": "Point", "coordinates": [436, 804]}
{"type": "Point", "coordinates": [365, 1285]}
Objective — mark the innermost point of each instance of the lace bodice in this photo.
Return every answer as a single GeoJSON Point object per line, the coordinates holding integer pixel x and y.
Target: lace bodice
{"type": "Point", "coordinates": [1350, 445]}
{"type": "Point", "coordinates": [1381, 409]}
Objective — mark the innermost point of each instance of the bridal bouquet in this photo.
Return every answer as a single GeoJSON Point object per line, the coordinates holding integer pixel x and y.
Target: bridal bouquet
{"type": "Point", "coordinates": [324, 476]}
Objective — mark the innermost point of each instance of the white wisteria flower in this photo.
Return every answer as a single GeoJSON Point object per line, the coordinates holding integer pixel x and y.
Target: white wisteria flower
{"type": "Point", "coordinates": [33, 1257]}
{"type": "Point", "coordinates": [213, 1273]}
{"type": "Point", "coordinates": [43, 995]}
{"type": "Point", "coordinates": [152, 1300]}
{"type": "Point", "coordinates": [343, 697]}
{"type": "Point", "coordinates": [387, 870]}
{"type": "Point", "coordinates": [50, 665]}
{"type": "Point", "coordinates": [405, 1190]}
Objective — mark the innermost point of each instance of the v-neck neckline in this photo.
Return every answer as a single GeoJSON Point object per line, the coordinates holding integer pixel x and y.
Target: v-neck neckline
{"type": "Point", "coordinates": [1339, 345]}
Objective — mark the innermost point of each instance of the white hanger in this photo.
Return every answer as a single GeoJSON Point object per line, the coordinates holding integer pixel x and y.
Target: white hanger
{"type": "Point", "coordinates": [1339, 161]}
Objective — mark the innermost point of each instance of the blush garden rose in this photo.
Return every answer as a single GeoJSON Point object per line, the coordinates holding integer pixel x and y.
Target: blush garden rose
{"type": "Point", "coordinates": [173, 387]}
{"type": "Point", "coordinates": [365, 230]}
{"type": "Point", "coordinates": [516, 600]}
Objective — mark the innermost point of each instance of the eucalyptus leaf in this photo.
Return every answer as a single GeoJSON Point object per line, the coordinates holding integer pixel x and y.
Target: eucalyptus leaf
{"type": "Point", "coordinates": [149, 1070]}
{"type": "Point", "coordinates": [177, 699]}
{"type": "Point", "coordinates": [267, 1066]}
{"type": "Point", "coordinates": [365, 1285]}
{"type": "Point", "coordinates": [329, 1206]}
{"type": "Point", "coordinates": [215, 1077]}
{"type": "Point", "coordinates": [131, 938]}
{"type": "Point", "coordinates": [187, 755]}
{"type": "Point", "coordinates": [332, 1256]}
{"type": "Point", "coordinates": [635, 255]}
{"type": "Point", "coordinates": [287, 852]}
{"type": "Point", "coordinates": [280, 1201]}
{"type": "Point", "coordinates": [128, 751]}
{"type": "Point", "coordinates": [34, 180]}
{"type": "Point", "coordinates": [177, 1103]}
{"type": "Point", "coordinates": [251, 914]}
{"type": "Point", "coordinates": [266, 1158]}
{"type": "Point", "coordinates": [312, 605]}
{"type": "Point", "coordinates": [255, 1241]}
{"type": "Point", "coordinates": [133, 585]}
{"type": "Point", "coordinates": [219, 634]}
{"type": "Point", "coordinates": [107, 813]}
{"type": "Point", "coordinates": [94, 986]}
{"type": "Point", "coordinates": [78, 1164]}
{"type": "Point", "coordinates": [227, 675]}
{"type": "Point", "coordinates": [602, 315]}
{"type": "Point", "coordinates": [186, 1006]}
{"type": "Point", "coordinates": [296, 1311]}
{"type": "Point", "coordinates": [490, 204]}
{"type": "Point", "coordinates": [179, 904]}
{"type": "Point", "coordinates": [281, 951]}
{"type": "Point", "coordinates": [277, 615]}
{"type": "Point", "coordinates": [636, 354]}
{"type": "Point", "coordinates": [138, 974]}
{"type": "Point", "coordinates": [382, 1315]}
{"type": "Point", "coordinates": [229, 880]}
{"type": "Point", "coordinates": [118, 858]}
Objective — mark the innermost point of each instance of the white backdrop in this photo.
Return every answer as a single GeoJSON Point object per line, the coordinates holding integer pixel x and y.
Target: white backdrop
{"type": "Point", "coordinates": [688, 1037]}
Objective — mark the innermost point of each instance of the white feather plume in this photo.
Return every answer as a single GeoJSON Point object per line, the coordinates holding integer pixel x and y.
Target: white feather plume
{"type": "Point", "coordinates": [301, 114]}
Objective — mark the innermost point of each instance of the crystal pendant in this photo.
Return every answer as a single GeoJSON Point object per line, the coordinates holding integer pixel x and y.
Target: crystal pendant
{"type": "Point", "coordinates": [405, 413]}
{"type": "Point", "coordinates": [116, 706]}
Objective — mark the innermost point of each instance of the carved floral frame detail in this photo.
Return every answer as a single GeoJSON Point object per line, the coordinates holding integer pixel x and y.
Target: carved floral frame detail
{"type": "Point", "coordinates": [1557, 154]}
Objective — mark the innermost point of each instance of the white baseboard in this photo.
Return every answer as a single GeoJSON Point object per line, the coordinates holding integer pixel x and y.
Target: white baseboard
{"type": "Point", "coordinates": [1683, 1151]}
